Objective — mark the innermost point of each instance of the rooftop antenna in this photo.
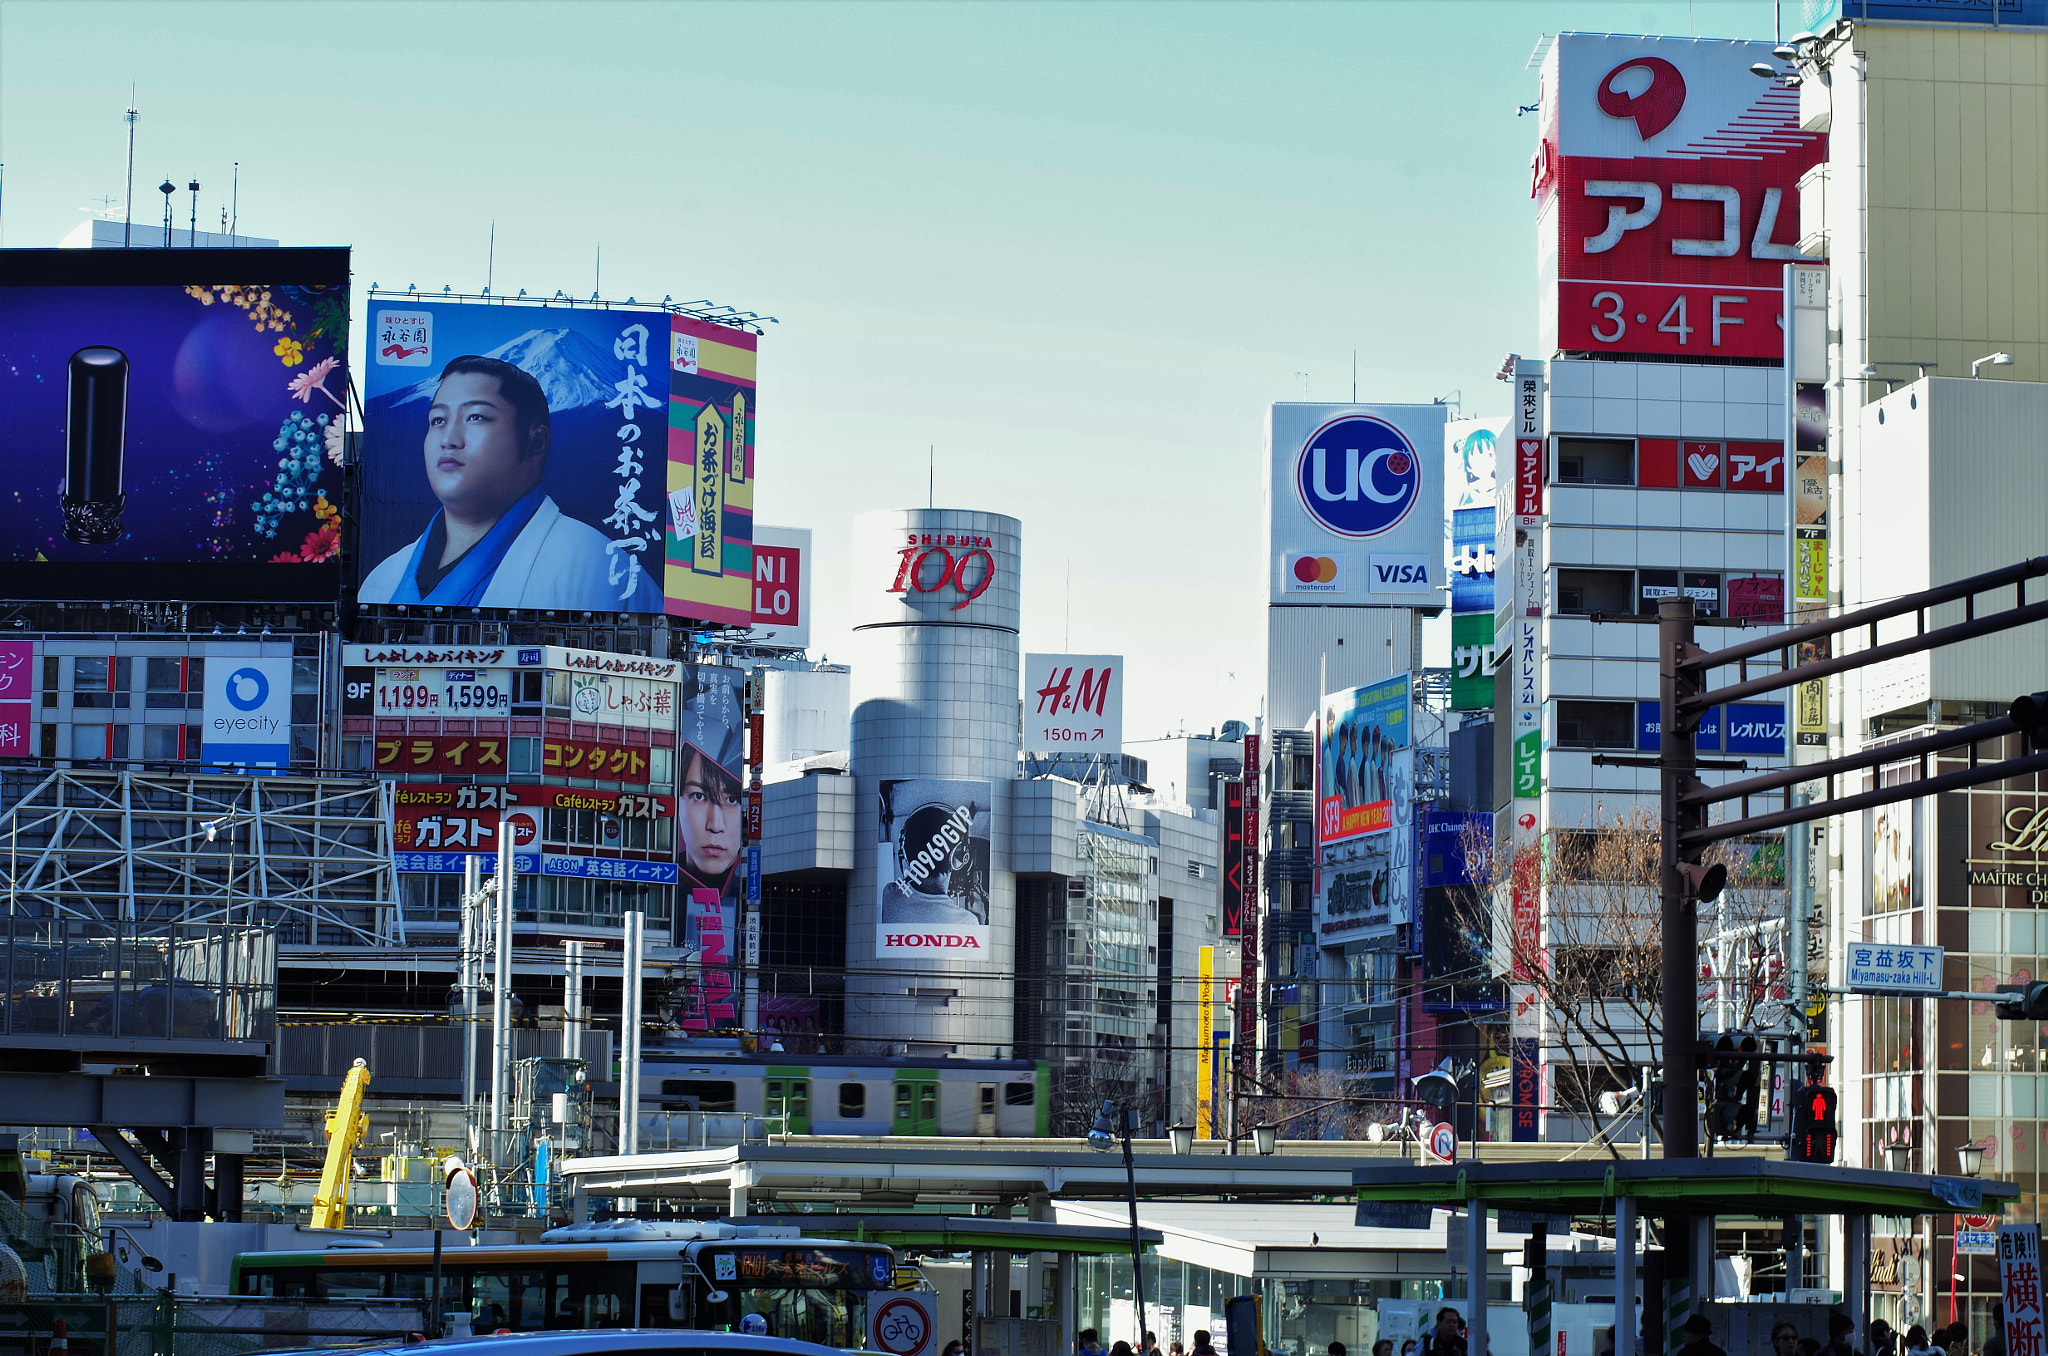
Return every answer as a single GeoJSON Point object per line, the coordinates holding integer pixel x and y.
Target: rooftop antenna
{"type": "Point", "coordinates": [931, 475]}
{"type": "Point", "coordinates": [167, 188]}
{"type": "Point", "coordinates": [235, 213]}
{"type": "Point", "coordinates": [192, 231]}
{"type": "Point", "coordinates": [1304, 384]}
{"type": "Point", "coordinates": [128, 216]}
{"type": "Point", "coordinates": [1354, 376]}
{"type": "Point", "coordinates": [491, 258]}
{"type": "Point", "coordinates": [597, 281]}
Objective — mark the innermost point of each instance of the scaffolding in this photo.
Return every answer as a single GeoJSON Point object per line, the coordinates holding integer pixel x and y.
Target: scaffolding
{"type": "Point", "coordinates": [308, 856]}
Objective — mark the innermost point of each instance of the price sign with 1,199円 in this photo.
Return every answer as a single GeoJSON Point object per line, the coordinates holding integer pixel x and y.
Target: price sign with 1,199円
{"type": "Point", "coordinates": [443, 692]}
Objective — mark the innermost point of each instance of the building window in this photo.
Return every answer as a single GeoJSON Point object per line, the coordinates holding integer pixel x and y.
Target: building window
{"type": "Point", "coordinates": [1596, 725]}
{"type": "Point", "coordinates": [1581, 593]}
{"type": "Point", "coordinates": [99, 681]}
{"type": "Point", "coordinates": [160, 742]}
{"type": "Point", "coordinates": [1596, 461]}
{"type": "Point", "coordinates": [89, 741]}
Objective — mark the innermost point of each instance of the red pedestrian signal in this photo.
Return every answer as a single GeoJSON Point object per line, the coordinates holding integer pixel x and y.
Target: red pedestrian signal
{"type": "Point", "coordinates": [1814, 1125]}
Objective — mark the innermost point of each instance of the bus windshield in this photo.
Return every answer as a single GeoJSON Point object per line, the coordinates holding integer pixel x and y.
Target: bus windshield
{"type": "Point", "coordinates": [833, 1318]}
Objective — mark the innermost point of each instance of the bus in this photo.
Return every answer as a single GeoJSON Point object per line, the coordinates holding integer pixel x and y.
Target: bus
{"type": "Point", "coordinates": [680, 1274]}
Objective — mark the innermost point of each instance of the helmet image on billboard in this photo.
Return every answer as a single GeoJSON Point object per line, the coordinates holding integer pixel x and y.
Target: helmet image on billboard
{"type": "Point", "coordinates": [1358, 476]}
{"type": "Point", "coordinates": [934, 864]}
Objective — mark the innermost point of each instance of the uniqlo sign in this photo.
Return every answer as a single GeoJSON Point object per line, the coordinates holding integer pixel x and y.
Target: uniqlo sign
{"type": "Point", "coordinates": [1668, 178]}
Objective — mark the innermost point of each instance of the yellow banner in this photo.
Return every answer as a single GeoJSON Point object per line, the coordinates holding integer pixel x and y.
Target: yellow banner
{"type": "Point", "coordinates": [1205, 995]}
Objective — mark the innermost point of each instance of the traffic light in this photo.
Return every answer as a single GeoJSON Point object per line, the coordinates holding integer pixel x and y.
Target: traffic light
{"type": "Point", "coordinates": [1814, 1127]}
{"type": "Point", "coordinates": [2030, 713]}
{"type": "Point", "coordinates": [1737, 1084]}
{"type": "Point", "coordinates": [2022, 1002]}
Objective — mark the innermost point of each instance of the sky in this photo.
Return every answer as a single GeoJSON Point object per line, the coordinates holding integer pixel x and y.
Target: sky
{"type": "Point", "coordinates": [1058, 258]}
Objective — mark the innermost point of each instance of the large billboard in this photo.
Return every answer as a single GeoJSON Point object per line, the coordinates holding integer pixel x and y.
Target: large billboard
{"type": "Point", "coordinates": [247, 717]}
{"type": "Point", "coordinates": [932, 868]}
{"type": "Point", "coordinates": [782, 585]}
{"type": "Point", "coordinates": [179, 409]}
{"type": "Point", "coordinates": [1471, 490]}
{"type": "Point", "coordinates": [1074, 703]}
{"type": "Point", "coordinates": [1352, 499]}
{"type": "Point", "coordinates": [1360, 770]}
{"type": "Point", "coordinates": [557, 459]}
{"type": "Point", "coordinates": [1667, 183]}
{"type": "Point", "coordinates": [711, 777]}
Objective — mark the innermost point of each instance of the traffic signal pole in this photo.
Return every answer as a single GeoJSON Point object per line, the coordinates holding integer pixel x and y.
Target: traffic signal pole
{"type": "Point", "coordinates": [1679, 676]}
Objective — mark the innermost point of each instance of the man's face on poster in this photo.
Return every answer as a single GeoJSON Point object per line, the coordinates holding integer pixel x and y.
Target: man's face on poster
{"type": "Point", "coordinates": [710, 818]}
{"type": "Point", "coordinates": [479, 460]}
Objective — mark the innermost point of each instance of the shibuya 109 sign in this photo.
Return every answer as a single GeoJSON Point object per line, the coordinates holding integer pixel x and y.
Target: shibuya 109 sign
{"type": "Point", "coordinates": [1667, 180]}
{"type": "Point", "coordinates": [956, 566]}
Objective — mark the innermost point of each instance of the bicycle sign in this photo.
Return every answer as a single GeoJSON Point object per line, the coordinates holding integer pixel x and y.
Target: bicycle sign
{"type": "Point", "coordinates": [903, 1325]}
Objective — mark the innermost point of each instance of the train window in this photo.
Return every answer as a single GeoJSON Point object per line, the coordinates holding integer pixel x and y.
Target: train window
{"type": "Point", "coordinates": [1020, 1094]}
{"type": "Point", "coordinates": [904, 1108]}
{"type": "Point", "coordinates": [699, 1094]}
{"type": "Point", "coordinates": [853, 1101]}
{"type": "Point", "coordinates": [988, 1099]}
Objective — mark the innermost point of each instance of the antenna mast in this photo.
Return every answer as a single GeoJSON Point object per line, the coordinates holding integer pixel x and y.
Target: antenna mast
{"type": "Point", "coordinates": [128, 217]}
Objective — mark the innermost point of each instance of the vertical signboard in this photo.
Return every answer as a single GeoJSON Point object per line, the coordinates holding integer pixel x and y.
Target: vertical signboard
{"type": "Point", "coordinates": [17, 696]}
{"type": "Point", "coordinates": [248, 713]}
{"type": "Point", "coordinates": [1205, 1038]}
{"type": "Point", "coordinates": [1472, 488]}
{"type": "Point", "coordinates": [1074, 703]}
{"type": "Point", "coordinates": [1806, 433]}
{"type": "Point", "coordinates": [2019, 1280]}
{"type": "Point", "coordinates": [708, 927]}
{"type": "Point", "coordinates": [708, 542]}
{"type": "Point", "coordinates": [1233, 857]}
{"type": "Point", "coordinates": [1248, 910]}
{"type": "Point", "coordinates": [932, 869]}
{"type": "Point", "coordinates": [1667, 184]}
{"type": "Point", "coordinates": [1529, 443]}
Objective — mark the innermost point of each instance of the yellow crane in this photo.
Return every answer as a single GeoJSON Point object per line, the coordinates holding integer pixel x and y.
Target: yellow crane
{"type": "Point", "coordinates": [345, 1127]}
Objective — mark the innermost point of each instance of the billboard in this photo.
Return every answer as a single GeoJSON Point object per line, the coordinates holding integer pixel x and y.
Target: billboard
{"type": "Point", "coordinates": [1233, 857]}
{"type": "Point", "coordinates": [932, 868]}
{"type": "Point", "coordinates": [1359, 770]}
{"type": "Point", "coordinates": [1667, 180]}
{"type": "Point", "coordinates": [782, 586]}
{"type": "Point", "coordinates": [1817, 15]}
{"type": "Point", "coordinates": [1352, 504]}
{"type": "Point", "coordinates": [247, 716]}
{"type": "Point", "coordinates": [557, 458]}
{"type": "Point", "coordinates": [710, 778]}
{"type": "Point", "coordinates": [176, 408]}
{"type": "Point", "coordinates": [1073, 703]}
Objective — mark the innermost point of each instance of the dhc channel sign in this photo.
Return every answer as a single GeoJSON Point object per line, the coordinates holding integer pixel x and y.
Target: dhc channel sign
{"type": "Point", "coordinates": [1358, 476]}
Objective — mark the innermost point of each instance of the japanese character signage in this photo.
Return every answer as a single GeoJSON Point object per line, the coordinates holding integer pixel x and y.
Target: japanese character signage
{"type": "Point", "coordinates": [1894, 968]}
{"type": "Point", "coordinates": [545, 864]}
{"type": "Point", "coordinates": [559, 458]}
{"type": "Point", "coordinates": [2019, 1278]}
{"type": "Point", "coordinates": [1668, 182]}
{"type": "Point", "coordinates": [17, 696]}
{"type": "Point", "coordinates": [1529, 444]}
{"type": "Point", "coordinates": [465, 818]}
{"type": "Point", "coordinates": [1073, 703]}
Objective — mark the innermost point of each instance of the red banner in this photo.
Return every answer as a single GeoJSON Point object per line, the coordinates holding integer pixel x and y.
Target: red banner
{"type": "Point", "coordinates": [465, 818]}
{"type": "Point", "coordinates": [1248, 914]}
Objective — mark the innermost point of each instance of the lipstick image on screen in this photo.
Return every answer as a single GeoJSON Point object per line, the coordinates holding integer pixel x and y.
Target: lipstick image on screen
{"type": "Point", "coordinates": [96, 447]}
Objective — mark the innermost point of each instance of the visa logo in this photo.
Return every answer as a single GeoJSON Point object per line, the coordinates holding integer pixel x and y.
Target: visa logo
{"type": "Point", "coordinates": [1402, 574]}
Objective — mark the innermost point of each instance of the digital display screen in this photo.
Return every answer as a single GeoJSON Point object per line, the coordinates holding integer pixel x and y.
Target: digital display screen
{"type": "Point", "coordinates": [181, 409]}
{"type": "Point", "coordinates": [815, 1268]}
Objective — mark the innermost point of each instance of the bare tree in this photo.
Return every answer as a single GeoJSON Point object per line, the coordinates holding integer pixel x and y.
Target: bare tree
{"type": "Point", "coordinates": [1575, 921]}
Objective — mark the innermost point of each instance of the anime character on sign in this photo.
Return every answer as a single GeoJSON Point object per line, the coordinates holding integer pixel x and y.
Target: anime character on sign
{"type": "Point", "coordinates": [498, 539]}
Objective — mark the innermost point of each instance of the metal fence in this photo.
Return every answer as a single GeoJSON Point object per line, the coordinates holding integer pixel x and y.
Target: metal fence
{"type": "Point", "coordinates": [82, 978]}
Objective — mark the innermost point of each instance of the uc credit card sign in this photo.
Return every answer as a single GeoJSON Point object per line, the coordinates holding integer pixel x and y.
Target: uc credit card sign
{"type": "Point", "coordinates": [247, 717]}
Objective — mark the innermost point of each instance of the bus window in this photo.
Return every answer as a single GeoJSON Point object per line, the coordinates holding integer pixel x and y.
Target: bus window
{"type": "Point", "coordinates": [699, 1094]}
{"type": "Point", "coordinates": [853, 1101]}
{"type": "Point", "coordinates": [332, 1285]}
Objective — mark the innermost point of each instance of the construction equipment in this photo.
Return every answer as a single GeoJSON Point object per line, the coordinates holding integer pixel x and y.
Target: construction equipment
{"type": "Point", "coordinates": [345, 1127]}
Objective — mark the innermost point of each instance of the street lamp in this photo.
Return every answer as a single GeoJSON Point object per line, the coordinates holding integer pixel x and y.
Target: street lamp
{"type": "Point", "coordinates": [1182, 1138]}
{"type": "Point", "coordinates": [1264, 1138]}
{"type": "Point", "coordinates": [1991, 360]}
{"type": "Point", "coordinates": [1899, 1157]}
{"type": "Point", "coordinates": [1970, 1158]}
{"type": "Point", "coordinates": [1102, 1137]}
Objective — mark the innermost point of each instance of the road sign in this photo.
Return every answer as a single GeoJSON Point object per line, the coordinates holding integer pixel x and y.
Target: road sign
{"type": "Point", "coordinates": [2019, 1275]}
{"type": "Point", "coordinates": [461, 1198]}
{"type": "Point", "coordinates": [903, 1324]}
{"type": "Point", "coordinates": [1894, 968]}
{"type": "Point", "coordinates": [1441, 1141]}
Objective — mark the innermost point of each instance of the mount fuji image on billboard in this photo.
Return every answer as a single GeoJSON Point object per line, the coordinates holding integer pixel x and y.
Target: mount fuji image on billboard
{"type": "Point", "coordinates": [514, 456]}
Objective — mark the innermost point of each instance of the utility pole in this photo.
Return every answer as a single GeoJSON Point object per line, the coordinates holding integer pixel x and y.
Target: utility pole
{"type": "Point", "coordinates": [1677, 771]}
{"type": "Point", "coordinates": [466, 974]}
{"type": "Point", "coordinates": [501, 995]}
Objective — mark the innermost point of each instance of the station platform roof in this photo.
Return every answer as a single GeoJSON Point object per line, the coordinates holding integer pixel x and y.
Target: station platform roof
{"type": "Point", "coordinates": [962, 1233]}
{"type": "Point", "coordinates": [1764, 1187]}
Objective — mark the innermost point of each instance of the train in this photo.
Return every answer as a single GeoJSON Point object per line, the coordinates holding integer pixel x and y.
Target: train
{"type": "Point", "coordinates": [721, 1092]}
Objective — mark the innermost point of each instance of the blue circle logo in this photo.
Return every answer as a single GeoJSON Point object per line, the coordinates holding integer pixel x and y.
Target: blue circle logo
{"type": "Point", "coordinates": [1358, 476]}
{"type": "Point", "coordinates": [247, 689]}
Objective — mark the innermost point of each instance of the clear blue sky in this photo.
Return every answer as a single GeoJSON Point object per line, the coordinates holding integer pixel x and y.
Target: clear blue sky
{"type": "Point", "coordinates": [1077, 247]}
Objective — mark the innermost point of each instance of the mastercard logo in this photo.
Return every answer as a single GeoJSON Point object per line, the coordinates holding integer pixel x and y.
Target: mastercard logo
{"type": "Point", "coordinates": [1315, 569]}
